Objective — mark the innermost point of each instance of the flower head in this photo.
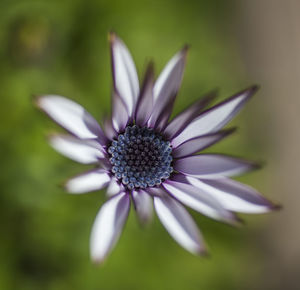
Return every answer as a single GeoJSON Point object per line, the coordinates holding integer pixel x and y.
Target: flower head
{"type": "Point", "coordinates": [143, 157]}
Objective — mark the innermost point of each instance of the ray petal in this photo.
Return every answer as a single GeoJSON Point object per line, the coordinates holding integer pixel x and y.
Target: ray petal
{"type": "Point", "coordinates": [89, 181]}
{"type": "Point", "coordinates": [199, 201]}
{"type": "Point", "coordinates": [108, 226]}
{"type": "Point", "coordinates": [145, 102]}
{"type": "Point", "coordinates": [214, 118]}
{"type": "Point", "coordinates": [80, 150]}
{"type": "Point", "coordinates": [179, 224]}
{"type": "Point", "coordinates": [71, 116]}
{"type": "Point", "coordinates": [213, 166]}
{"type": "Point", "coordinates": [234, 195]}
{"type": "Point", "coordinates": [125, 77]}
{"type": "Point", "coordinates": [143, 205]}
{"type": "Point", "coordinates": [199, 143]}
{"type": "Point", "coordinates": [166, 88]}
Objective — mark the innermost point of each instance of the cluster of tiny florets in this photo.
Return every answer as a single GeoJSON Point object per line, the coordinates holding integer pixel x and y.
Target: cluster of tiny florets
{"type": "Point", "coordinates": [140, 157]}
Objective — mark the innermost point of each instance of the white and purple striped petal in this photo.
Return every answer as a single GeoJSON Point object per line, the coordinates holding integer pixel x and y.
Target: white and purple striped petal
{"type": "Point", "coordinates": [199, 200]}
{"type": "Point", "coordinates": [120, 116]}
{"type": "Point", "coordinates": [114, 187]}
{"type": "Point", "coordinates": [80, 150]}
{"type": "Point", "coordinates": [143, 205]}
{"type": "Point", "coordinates": [214, 118]}
{"type": "Point", "coordinates": [145, 102]}
{"type": "Point", "coordinates": [179, 224]}
{"type": "Point", "coordinates": [234, 195]}
{"type": "Point", "coordinates": [166, 88]}
{"type": "Point", "coordinates": [72, 116]}
{"type": "Point", "coordinates": [213, 166]}
{"type": "Point", "coordinates": [184, 118]}
{"type": "Point", "coordinates": [108, 226]}
{"type": "Point", "coordinates": [199, 143]}
{"type": "Point", "coordinates": [125, 77]}
{"type": "Point", "coordinates": [89, 181]}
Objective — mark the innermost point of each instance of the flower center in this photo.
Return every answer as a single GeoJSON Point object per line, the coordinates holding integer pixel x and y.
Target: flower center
{"type": "Point", "coordinates": [140, 158]}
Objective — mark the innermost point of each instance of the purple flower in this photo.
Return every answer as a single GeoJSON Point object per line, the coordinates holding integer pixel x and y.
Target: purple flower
{"type": "Point", "coordinates": [142, 157]}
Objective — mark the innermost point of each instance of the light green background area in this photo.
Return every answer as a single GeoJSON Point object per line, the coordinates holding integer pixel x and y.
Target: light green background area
{"type": "Point", "coordinates": [61, 47]}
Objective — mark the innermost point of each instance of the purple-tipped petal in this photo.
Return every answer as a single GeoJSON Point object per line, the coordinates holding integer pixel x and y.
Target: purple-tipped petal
{"type": "Point", "coordinates": [145, 102]}
{"type": "Point", "coordinates": [184, 118]}
{"type": "Point", "coordinates": [199, 200]}
{"type": "Point", "coordinates": [233, 195]}
{"type": "Point", "coordinates": [108, 226]}
{"type": "Point", "coordinates": [80, 150]}
{"type": "Point", "coordinates": [119, 113]}
{"type": "Point", "coordinates": [214, 118]}
{"type": "Point", "coordinates": [199, 143]}
{"type": "Point", "coordinates": [143, 205]}
{"type": "Point", "coordinates": [125, 77]}
{"type": "Point", "coordinates": [114, 187]}
{"type": "Point", "coordinates": [166, 88]}
{"type": "Point", "coordinates": [72, 116]}
{"type": "Point", "coordinates": [213, 166]}
{"type": "Point", "coordinates": [179, 224]}
{"type": "Point", "coordinates": [89, 181]}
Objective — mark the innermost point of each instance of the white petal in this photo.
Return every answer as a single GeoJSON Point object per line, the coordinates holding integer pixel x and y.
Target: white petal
{"type": "Point", "coordinates": [199, 143]}
{"type": "Point", "coordinates": [89, 181]}
{"type": "Point", "coordinates": [71, 116]}
{"type": "Point", "coordinates": [179, 224]}
{"type": "Point", "coordinates": [179, 123]}
{"type": "Point", "coordinates": [119, 115]}
{"type": "Point", "coordinates": [80, 150]}
{"type": "Point", "coordinates": [213, 166]}
{"type": "Point", "coordinates": [108, 226]}
{"type": "Point", "coordinates": [143, 205]}
{"type": "Point", "coordinates": [215, 118]}
{"type": "Point", "coordinates": [114, 187]}
{"type": "Point", "coordinates": [199, 201]}
{"type": "Point", "coordinates": [233, 195]}
{"type": "Point", "coordinates": [125, 77]}
{"type": "Point", "coordinates": [166, 87]}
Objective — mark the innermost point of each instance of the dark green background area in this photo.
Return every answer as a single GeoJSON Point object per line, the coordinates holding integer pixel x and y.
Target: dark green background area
{"type": "Point", "coordinates": [61, 47]}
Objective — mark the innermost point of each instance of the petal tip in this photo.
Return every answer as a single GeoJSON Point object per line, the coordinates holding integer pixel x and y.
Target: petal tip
{"type": "Point", "coordinates": [112, 36]}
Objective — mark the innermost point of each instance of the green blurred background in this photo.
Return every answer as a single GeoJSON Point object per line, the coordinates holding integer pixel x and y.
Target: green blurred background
{"type": "Point", "coordinates": [61, 47]}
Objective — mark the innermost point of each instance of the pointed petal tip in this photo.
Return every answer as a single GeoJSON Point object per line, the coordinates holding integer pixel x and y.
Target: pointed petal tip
{"type": "Point", "coordinates": [112, 36]}
{"type": "Point", "coordinates": [204, 253]}
{"type": "Point", "coordinates": [276, 207]}
{"type": "Point", "coordinates": [98, 261]}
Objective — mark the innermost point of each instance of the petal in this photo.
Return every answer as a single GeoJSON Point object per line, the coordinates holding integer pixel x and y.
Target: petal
{"type": "Point", "coordinates": [83, 151]}
{"type": "Point", "coordinates": [179, 224]}
{"type": "Point", "coordinates": [89, 181]}
{"type": "Point", "coordinates": [199, 201]}
{"type": "Point", "coordinates": [145, 102]}
{"type": "Point", "coordinates": [109, 129]}
{"type": "Point", "coordinates": [213, 165]}
{"type": "Point", "coordinates": [72, 116]}
{"type": "Point", "coordinates": [199, 143]}
{"type": "Point", "coordinates": [233, 195]}
{"type": "Point", "coordinates": [183, 119]}
{"type": "Point", "coordinates": [108, 226]}
{"type": "Point", "coordinates": [119, 113]}
{"type": "Point", "coordinates": [215, 118]}
{"type": "Point", "coordinates": [125, 77]}
{"type": "Point", "coordinates": [114, 187]}
{"type": "Point", "coordinates": [166, 88]}
{"type": "Point", "coordinates": [143, 205]}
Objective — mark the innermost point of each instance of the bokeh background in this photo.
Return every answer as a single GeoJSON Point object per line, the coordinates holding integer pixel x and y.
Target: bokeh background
{"type": "Point", "coordinates": [60, 47]}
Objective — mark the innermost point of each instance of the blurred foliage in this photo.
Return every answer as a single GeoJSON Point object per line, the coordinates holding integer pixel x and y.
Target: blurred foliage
{"type": "Point", "coordinates": [61, 47]}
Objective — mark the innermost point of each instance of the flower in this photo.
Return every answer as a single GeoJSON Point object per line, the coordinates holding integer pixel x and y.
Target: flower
{"type": "Point", "coordinates": [143, 157]}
